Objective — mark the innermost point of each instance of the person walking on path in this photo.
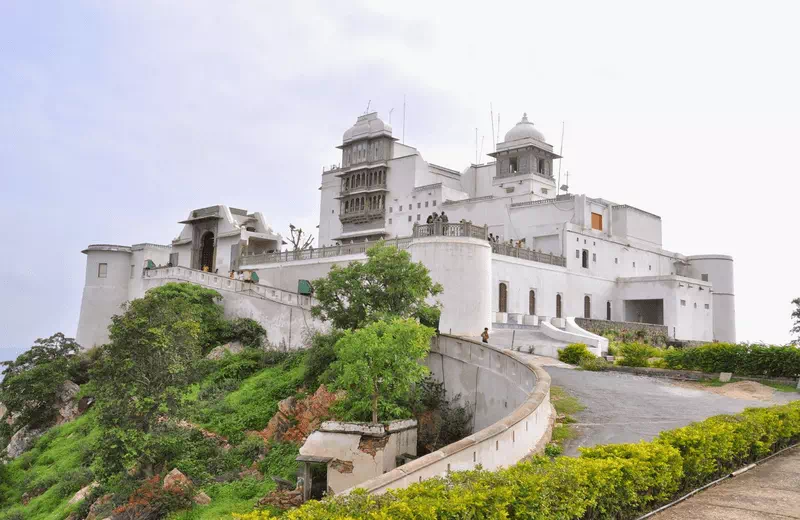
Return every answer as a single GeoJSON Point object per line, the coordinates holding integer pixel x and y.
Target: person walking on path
{"type": "Point", "coordinates": [485, 335]}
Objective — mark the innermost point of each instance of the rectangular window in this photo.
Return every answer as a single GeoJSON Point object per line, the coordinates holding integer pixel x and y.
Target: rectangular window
{"type": "Point", "coordinates": [426, 203]}
{"type": "Point", "coordinates": [409, 218]}
{"type": "Point", "coordinates": [102, 270]}
{"type": "Point", "coordinates": [704, 277]}
{"type": "Point", "coordinates": [419, 205]}
{"type": "Point", "coordinates": [594, 257]}
{"type": "Point", "coordinates": [434, 203]}
{"type": "Point", "coordinates": [418, 216]}
{"type": "Point", "coordinates": [391, 208]}
{"type": "Point", "coordinates": [683, 303]}
{"type": "Point", "coordinates": [616, 260]}
{"type": "Point", "coordinates": [649, 267]}
{"type": "Point", "coordinates": [708, 306]}
{"type": "Point", "coordinates": [544, 191]}
{"type": "Point", "coordinates": [577, 253]}
{"type": "Point", "coordinates": [409, 206]}
{"type": "Point", "coordinates": [133, 269]}
{"type": "Point", "coordinates": [585, 258]}
{"type": "Point", "coordinates": [512, 165]}
{"type": "Point", "coordinates": [695, 305]}
{"type": "Point", "coordinates": [173, 259]}
{"type": "Point", "coordinates": [634, 264]}
{"type": "Point", "coordinates": [390, 221]}
{"type": "Point", "coordinates": [400, 207]}
{"type": "Point", "coordinates": [597, 221]}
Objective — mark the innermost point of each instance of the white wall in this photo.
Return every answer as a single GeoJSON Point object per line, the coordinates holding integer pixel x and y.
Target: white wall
{"type": "Point", "coordinates": [103, 297]}
{"type": "Point", "coordinates": [719, 269]}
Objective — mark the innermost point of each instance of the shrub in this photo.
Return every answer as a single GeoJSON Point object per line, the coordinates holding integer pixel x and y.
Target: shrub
{"type": "Point", "coordinates": [636, 354]}
{"type": "Point", "coordinates": [574, 353]}
{"type": "Point", "coordinates": [595, 364]}
{"type": "Point", "coordinates": [743, 359]}
{"type": "Point", "coordinates": [249, 332]}
{"type": "Point", "coordinates": [612, 481]}
{"type": "Point", "coordinates": [319, 358]}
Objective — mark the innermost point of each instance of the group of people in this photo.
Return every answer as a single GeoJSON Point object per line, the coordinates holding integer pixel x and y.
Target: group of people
{"type": "Point", "coordinates": [496, 239]}
{"type": "Point", "coordinates": [435, 217]}
{"type": "Point", "coordinates": [241, 276]}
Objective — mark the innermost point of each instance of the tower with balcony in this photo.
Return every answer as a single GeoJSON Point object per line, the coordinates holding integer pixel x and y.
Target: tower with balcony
{"type": "Point", "coordinates": [524, 162]}
{"type": "Point", "coordinates": [366, 151]}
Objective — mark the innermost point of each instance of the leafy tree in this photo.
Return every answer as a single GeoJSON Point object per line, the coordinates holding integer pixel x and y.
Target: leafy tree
{"type": "Point", "coordinates": [377, 366]}
{"type": "Point", "coordinates": [144, 369]}
{"type": "Point", "coordinates": [31, 382]}
{"type": "Point", "coordinates": [796, 324]}
{"type": "Point", "coordinates": [319, 359]}
{"type": "Point", "coordinates": [387, 285]}
{"type": "Point", "coordinates": [249, 332]}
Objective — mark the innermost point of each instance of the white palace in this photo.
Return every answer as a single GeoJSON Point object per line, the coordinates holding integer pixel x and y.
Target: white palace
{"type": "Point", "coordinates": [557, 260]}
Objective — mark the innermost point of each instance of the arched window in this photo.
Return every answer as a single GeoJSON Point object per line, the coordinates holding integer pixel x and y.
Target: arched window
{"type": "Point", "coordinates": [558, 305]}
{"type": "Point", "coordinates": [503, 299]}
{"type": "Point", "coordinates": [346, 206]}
{"type": "Point", "coordinates": [608, 311]}
{"type": "Point", "coordinates": [587, 307]}
{"type": "Point", "coordinates": [585, 259]}
{"type": "Point", "coordinates": [532, 303]}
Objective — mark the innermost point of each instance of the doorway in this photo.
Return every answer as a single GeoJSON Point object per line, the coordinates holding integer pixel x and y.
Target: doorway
{"type": "Point", "coordinates": [207, 251]}
{"type": "Point", "coordinates": [503, 300]}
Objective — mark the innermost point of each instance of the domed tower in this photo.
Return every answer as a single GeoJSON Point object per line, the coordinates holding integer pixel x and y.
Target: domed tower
{"type": "Point", "coordinates": [362, 187]}
{"type": "Point", "coordinates": [524, 153]}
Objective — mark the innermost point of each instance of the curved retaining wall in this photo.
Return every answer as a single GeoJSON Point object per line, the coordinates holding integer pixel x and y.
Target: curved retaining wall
{"type": "Point", "coordinates": [496, 377]}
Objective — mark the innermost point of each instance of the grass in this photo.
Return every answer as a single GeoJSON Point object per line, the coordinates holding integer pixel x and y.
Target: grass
{"type": "Point", "coordinates": [565, 405]}
{"type": "Point", "coordinates": [780, 387]}
{"type": "Point", "coordinates": [59, 463]}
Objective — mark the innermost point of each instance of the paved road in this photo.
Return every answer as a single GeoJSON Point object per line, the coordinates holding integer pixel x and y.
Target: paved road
{"type": "Point", "coordinates": [628, 408]}
{"type": "Point", "coordinates": [770, 491]}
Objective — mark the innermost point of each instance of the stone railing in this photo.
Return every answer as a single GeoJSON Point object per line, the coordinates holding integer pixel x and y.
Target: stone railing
{"type": "Point", "coordinates": [451, 229]}
{"type": "Point", "coordinates": [320, 252]}
{"type": "Point", "coordinates": [227, 284]}
{"type": "Point", "coordinates": [528, 254]}
{"type": "Point", "coordinates": [513, 398]}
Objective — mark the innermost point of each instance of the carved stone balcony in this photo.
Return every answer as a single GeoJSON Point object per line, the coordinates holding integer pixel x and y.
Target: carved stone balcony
{"type": "Point", "coordinates": [362, 216]}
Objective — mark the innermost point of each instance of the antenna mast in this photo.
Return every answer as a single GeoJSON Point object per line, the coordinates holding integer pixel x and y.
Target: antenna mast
{"type": "Point", "coordinates": [498, 125]}
{"type": "Point", "coordinates": [482, 138]}
{"type": "Point", "coordinates": [404, 120]}
{"type": "Point", "coordinates": [390, 115]}
{"type": "Point", "coordinates": [561, 152]}
{"type": "Point", "coordinates": [476, 145]}
{"type": "Point", "coordinates": [491, 118]}
{"type": "Point", "coordinates": [368, 104]}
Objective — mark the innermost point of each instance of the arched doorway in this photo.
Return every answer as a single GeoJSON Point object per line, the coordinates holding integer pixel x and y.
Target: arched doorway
{"type": "Point", "coordinates": [207, 251]}
{"type": "Point", "coordinates": [532, 303]}
{"type": "Point", "coordinates": [608, 311]}
{"type": "Point", "coordinates": [503, 300]}
{"type": "Point", "coordinates": [558, 305]}
{"type": "Point", "coordinates": [587, 307]}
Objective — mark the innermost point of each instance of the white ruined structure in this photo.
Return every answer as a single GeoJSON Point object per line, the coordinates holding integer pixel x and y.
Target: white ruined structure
{"type": "Point", "coordinates": [555, 258]}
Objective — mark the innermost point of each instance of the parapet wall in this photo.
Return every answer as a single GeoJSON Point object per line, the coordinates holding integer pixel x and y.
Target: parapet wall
{"type": "Point", "coordinates": [513, 412]}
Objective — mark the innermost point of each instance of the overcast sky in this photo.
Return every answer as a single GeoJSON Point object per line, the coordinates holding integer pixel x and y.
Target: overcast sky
{"type": "Point", "coordinates": [117, 118]}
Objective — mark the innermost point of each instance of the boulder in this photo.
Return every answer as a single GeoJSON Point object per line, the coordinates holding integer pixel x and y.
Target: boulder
{"type": "Point", "coordinates": [22, 440]}
{"type": "Point", "coordinates": [101, 504]}
{"type": "Point", "coordinates": [218, 353]}
{"type": "Point", "coordinates": [66, 403]}
{"type": "Point", "coordinates": [176, 479]}
{"type": "Point", "coordinates": [201, 499]}
{"type": "Point", "coordinates": [82, 493]}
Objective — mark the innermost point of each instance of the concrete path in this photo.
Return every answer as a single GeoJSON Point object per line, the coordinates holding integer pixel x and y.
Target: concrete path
{"type": "Point", "coordinates": [628, 408]}
{"type": "Point", "coordinates": [770, 491]}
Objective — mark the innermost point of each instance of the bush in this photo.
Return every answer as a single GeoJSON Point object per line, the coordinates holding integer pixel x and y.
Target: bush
{"type": "Point", "coordinates": [612, 481]}
{"type": "Point", "coordinates": [595, 364]}
{"type": "Point", "coordinates": [574, 353]}
{"type": "Point", "coordinates": [249, 332]}
{"type": "Point", "coordinates": [319, 358]}
{"type": "Point", "coordinates": [637, 354]}
{"type": "Point", "coordinates": [742, 359]}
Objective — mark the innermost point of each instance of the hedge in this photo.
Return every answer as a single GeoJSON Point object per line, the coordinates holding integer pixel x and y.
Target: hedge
{"type": "Point", "coordinates": [611, 481]}
{"type": "Point", "coordinates": [574, 353]}
{"type": "Point", "coordinates": [743, 359]}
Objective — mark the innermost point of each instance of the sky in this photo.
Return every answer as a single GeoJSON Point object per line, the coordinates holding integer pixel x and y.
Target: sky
{"type": "Point", "coordinates": [117, 118]}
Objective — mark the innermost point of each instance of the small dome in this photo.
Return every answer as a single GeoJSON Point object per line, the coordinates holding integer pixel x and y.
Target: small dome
{"type": "Point", "coordinates": [524, 129]}
{"type": "Point", "coordinates": [368, 125]}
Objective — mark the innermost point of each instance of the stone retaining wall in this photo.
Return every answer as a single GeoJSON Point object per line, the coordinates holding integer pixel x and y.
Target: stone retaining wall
{"type": "Point", "coordinates": [519, 432]}
{"type": "Point", "coordinates": [601, 326]}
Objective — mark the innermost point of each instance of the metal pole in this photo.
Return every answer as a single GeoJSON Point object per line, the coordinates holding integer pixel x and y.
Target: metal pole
{"type": "Point", "coordinates": [513, 335]}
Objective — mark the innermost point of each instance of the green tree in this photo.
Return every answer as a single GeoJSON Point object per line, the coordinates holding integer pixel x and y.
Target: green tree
{"type": "Point", "coordinates": [377, 366]}
{"type": "Point", "coordinates": [796, 321]}
{"type": "Point", "coordinates": [31, 382]}
{"type": "Point", "coordinates": [387, 285]}
{"type": "Point", "coordinates": [151, 358]}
